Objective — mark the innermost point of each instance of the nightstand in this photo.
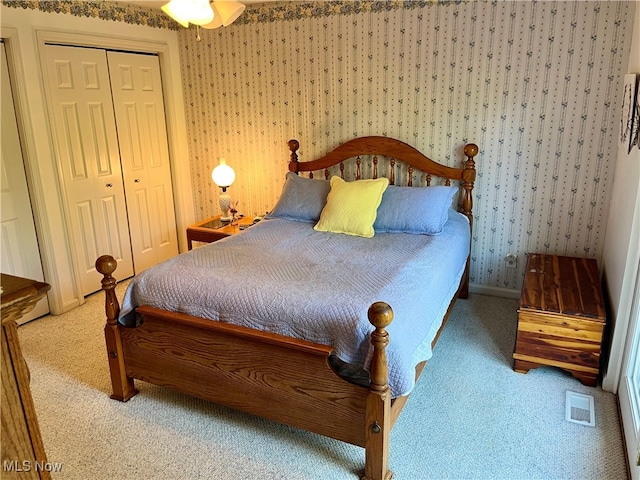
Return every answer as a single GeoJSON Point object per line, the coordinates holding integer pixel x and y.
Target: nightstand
{"type": "Point", "coordinates": [212, 229]}
{"type": "Point", "coordinates": [561, 317]}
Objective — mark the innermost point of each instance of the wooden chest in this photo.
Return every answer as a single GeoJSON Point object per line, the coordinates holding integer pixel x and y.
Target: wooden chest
{"type": "Point", "coordinates": [561, 317]}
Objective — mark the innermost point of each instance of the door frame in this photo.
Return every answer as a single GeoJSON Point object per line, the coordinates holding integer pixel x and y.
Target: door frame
{"type": "Point", "coordinates": [630, 404]}
{"type": "Point", "coordinates": [174, 113]}
{"type": "Point", "coordinates": [11, 39]}
{"type": "Point", "coordinates": [31, 267]}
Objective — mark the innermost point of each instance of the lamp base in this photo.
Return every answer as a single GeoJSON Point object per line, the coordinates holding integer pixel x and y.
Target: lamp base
{"type": "Point", "coordinates": [225, 205]}
{"type": "Point", "coordinates": [226, 219]}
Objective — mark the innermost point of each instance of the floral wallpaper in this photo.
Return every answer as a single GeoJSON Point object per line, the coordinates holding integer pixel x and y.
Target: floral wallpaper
{"type": "Point", "coordinates": [269, 12]}
{"type": "Point", "coordinates": [537, 85]}
{"type": "Point", "coordinates": [117, 12]}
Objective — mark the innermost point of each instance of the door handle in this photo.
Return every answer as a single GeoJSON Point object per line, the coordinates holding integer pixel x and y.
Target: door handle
{"type": "Point", "coordinates": [137, 180]}
{"type": "Point", "coordinates": [109, 185]}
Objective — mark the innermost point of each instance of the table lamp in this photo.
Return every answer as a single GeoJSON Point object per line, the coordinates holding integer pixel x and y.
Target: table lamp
{"type": "Point", "coordinates": [223, 176]}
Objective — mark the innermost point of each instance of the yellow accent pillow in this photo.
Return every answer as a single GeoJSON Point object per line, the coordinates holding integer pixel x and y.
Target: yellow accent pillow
{"type": "Point", "coordinates": [351, 207]}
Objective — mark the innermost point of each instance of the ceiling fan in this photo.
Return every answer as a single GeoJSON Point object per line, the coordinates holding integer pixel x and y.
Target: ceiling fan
{"type": "Point", "coordinates": [204, 13]}
{"type": "Point", "coordinates": [218, 6]}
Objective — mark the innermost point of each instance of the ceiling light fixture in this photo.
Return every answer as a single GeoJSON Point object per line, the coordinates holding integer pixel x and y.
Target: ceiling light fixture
{"type": "Point", "coordinates": [204, 14]}
{"type": "Point", "coordinates": [198, 12]}
{"type": "Point", "coordinates": [225, 13]}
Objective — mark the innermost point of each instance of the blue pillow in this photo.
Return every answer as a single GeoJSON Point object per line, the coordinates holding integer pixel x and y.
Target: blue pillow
{"type": "Point", "coordinates": [421, 210]}
{"type": "Point", "coordinates": [302, 199]}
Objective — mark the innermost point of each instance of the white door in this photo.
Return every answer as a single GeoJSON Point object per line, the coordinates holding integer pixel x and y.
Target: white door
{"type": "Point", "coordinates": [87, 150]}
{"type": "Point", "coordinates": [629, 391]}
{"type": "Point", "coordinates": [20, 253]}
{"type": "Point", "coordinates": [144, 152]}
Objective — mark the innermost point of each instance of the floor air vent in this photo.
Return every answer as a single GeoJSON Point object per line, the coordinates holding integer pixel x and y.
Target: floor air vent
{"type": "Point", "coordinates": [580, 409]}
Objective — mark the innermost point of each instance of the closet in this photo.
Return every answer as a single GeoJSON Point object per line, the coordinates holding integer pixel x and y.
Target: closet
{"type": "Point", "coordinates": [109, 131]}
{"type": "Point", "coordinates": [20, 255]}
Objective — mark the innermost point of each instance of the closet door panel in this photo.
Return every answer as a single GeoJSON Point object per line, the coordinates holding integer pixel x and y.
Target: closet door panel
{"type": "Point", "coordinates": [139, 217]}
{"type": "Point", "coordinates": [90, 242]}
{"type": "Point", "coordinates": [139, 108]}
{"type": "Point", "coordinates": [87, 150]}
{"type": "Point", "coordinates": [165, 222]}
{"type": "Point", "coordinates": [120, 247]}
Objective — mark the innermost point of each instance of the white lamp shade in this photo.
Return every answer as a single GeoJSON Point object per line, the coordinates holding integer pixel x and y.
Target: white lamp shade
{"type": "Point", "coordinates": [201, 12]}
{"type": "Point", "coordinates": [217, 19]}
{"type": "Point", "coordinates": [198, 12]}
{"type": "Point", "coordinates": [229, 10]}
{"type": "Point", "coordinates": [223, 175]}
{"type": "Point", "coordinates": [174, 10]}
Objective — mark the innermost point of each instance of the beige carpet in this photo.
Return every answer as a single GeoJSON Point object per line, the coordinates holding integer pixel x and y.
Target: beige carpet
{"type": "Point", "coordinates": [470, 417]}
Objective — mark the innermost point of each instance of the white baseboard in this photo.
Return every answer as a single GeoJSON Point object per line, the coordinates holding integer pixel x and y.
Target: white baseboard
{"type": "Point", "coordinates": [494, 291]}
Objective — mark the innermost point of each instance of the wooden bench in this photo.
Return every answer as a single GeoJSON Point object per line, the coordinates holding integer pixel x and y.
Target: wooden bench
{"type": "Point", "coordinates": [561, 317]}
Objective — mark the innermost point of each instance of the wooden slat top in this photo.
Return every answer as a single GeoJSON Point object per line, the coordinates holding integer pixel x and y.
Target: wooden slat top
{"type": "Point", "coordinates": [19, 296]}
{"type": "Point", "coordinates": [16, 288]}
{"type": "Point", "coordinates": [563, 285]}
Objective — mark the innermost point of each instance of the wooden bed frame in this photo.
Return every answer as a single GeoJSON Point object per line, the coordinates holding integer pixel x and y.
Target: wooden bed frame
{"type": "Point", "coordinates": [273, 376]}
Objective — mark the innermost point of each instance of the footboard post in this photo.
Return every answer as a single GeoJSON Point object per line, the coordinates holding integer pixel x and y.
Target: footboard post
{"type": "Point", "coordinates": [123, 388]}
{"type": "Point", "coordinates": [378, 415]}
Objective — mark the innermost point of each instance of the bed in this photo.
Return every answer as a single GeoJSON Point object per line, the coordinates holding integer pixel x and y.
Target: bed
{"type": "Point", "coordinates": [237, 322]}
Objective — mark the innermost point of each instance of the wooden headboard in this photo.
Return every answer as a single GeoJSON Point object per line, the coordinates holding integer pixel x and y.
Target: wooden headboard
{"type": "Point", "coordinates": [395, 150]}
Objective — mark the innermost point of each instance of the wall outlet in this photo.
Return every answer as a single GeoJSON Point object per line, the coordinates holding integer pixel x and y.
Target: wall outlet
{"type": "Point", "coordinates": [511, 260]}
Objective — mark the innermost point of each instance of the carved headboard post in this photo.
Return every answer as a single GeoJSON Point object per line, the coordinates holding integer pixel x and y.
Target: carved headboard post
{"type": "Point", "coordinates": [294, 145]}
{"type": "Point", "coordinates": [468, 179]}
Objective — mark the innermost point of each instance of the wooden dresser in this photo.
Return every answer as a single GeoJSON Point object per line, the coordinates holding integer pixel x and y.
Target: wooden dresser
{"type": "Point", "coordinates": [23, 455]}
{"type": "Point", "coordinates": [561, 317]}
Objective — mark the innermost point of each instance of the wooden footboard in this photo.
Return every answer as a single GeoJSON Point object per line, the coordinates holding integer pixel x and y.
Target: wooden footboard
{"type": "Point", "coordinates": [276, 377]}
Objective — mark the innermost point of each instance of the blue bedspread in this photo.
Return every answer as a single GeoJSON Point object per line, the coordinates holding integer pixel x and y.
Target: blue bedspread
{"type": "Point", "coordinates": [282, 276]}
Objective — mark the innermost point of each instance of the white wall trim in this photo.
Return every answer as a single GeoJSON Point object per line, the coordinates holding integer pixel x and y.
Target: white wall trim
{"type": "Point", "coordinates": [621, 252]}
{"type": "Point", "coordinates": [494, 291]}
{"type": "Point", "coordinates": [612, 377]}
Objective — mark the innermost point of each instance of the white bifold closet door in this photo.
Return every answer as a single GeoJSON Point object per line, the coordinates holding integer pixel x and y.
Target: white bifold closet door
{"type": "Point", "coordinates": [20, 253]}
{"type": "Point", "coordinates": [144, 153]}
{"type": "Point", "coordinates": [110, 142]}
